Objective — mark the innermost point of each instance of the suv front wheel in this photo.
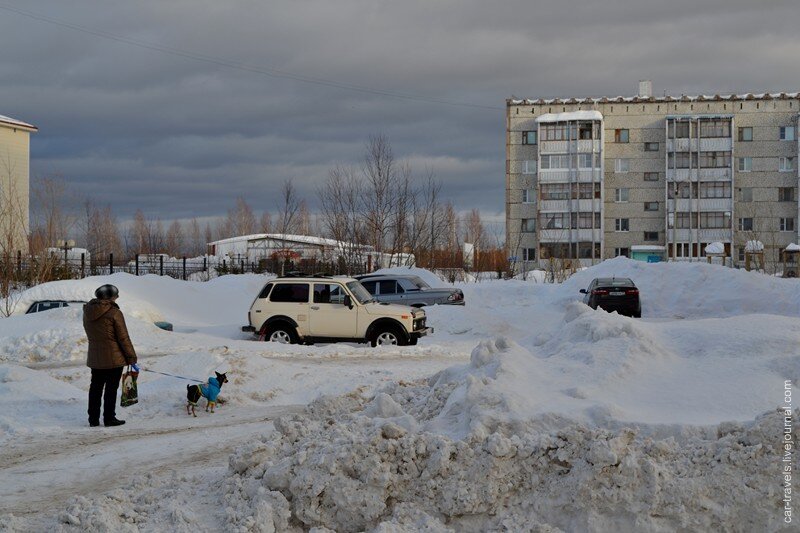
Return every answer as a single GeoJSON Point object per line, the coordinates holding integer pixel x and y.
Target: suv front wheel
{"type": "Point", "coordinates": [281, 334]}
{"type": "Point", "coordinates": [390, 336]}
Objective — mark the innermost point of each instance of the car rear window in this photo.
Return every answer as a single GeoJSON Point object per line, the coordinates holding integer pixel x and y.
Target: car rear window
{"type": "Point", "coordinates": [265, 290]}
{"type": "Point", "coordinates": [290, 292]}
{"type": "Point", "coordinates": [370, 286]}
{"type": "Point", "coordinates": [388, 287]}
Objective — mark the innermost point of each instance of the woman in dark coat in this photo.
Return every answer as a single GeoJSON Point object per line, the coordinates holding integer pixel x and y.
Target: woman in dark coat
{"type": "Point", "coordinates": [110, 349]}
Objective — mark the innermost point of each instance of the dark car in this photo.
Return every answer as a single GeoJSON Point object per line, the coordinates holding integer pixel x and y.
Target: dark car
{"type": "Point", "coordinates": [614, 294]}
{"type": "Point", "coordinates": [409, 290]}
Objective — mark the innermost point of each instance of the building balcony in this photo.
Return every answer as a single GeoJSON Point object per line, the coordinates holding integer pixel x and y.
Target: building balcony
{"type": "Point", "coordinates": [570, 235]}
{"type": "Point", "coordinates": [568, 176]}
{"type": "Point", "coordinates": [589, 145]}
{"type": "Point", "coordinates": [715, 144]}
{"type": "Point", "coordinates": [703, 174]}
{"type": "Point", "coordinates": [563, 206]}
{"type": "Point", "coordinates": [693, 205]}
{"type": "Point", "coordinates": [553, 147]}
{"type": "Point", "coordinates": [554, 176]}
{"type": "Point", "coordinates": [715, 174]}
{"type": "Point", "coordinates": [700, 235]}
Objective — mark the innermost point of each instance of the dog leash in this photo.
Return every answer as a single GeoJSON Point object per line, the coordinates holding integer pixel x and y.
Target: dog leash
{"type": "Point", "coordinates": [172, 375]}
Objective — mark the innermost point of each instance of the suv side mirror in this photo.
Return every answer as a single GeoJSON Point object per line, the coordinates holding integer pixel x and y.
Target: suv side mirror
{"type": "Point", "coordinates": [348, 301]}
{"type": "Point", "coordinates": [583, 291]}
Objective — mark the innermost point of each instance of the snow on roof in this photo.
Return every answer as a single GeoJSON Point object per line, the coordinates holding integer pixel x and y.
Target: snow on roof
{"type": "Point", "coordinates": [715, 248]}
{"type": "Point", "coordinates": [754, 246]}
{"type": "Point", "coordinates": [647, 248]}
{"type": "Point", "coordinates": [572, 115]}
{"type": "Point", "coordinates": [666, 98]}
{"type": "Point", "coordinates": [4, 120]}
{"type": "Point", "coordinates": [793, 248]}
{"type": "Point", "coordinates": [305, 239]}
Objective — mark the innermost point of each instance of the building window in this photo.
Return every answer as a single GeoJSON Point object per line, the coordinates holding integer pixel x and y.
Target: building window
{"type": "Point", "coordinates": [529, 167]}
{"type": "Point", "coordinates": [529, 254]}
{"type": "Point", "coordinates": [585, 161]}
{"type": "Point", "coordinates": [715, 220]}
{"type": "Point", "coordinates": [682, 160]}
{"type": "Point", "coordinates": [621, 136]}
{"type": "Point", "coordinates": [746, 194]}
{"type": "Point", "coordinates": [745, 224]}
{"type": "Point", "coordinates": [529, 137]}
{"type": "Point", "coordinates": [555, 191]}
{"type": "Point", "coordinates": [651, 176]}
{"type": "Point", "coordinates": [741, 253]}
{"type": "Point", "coordinates": [787, 133]}
{"type": "Point", "coordinates": [786, 194]}
{"type": "Point", "coordinates": [528, 196]}
{"type": "Point", "coordinates": [528, 225]}
{"type": "Point", "coordinates": [621, 195]}
{"type": "Point", "coordinates": [715, 128]}
{"type": "Point", "coordinates": [555, 220]}
{"type": "Point", "coordinates": [715, 189]}
{"type": "Point", "coordinates": [786, 164]}
{"type": "Point", "coordinates": [745, 134]}
{"type": "Point", "coordinates": [684, 221]}
{"type": "Point", "coordinates": [621, 224]}
{"type": "Point", "coordinates": [651, 147]}
{"type": "Point", "coordinates": [621, 252]}
{"type": "Point", "coordinates": [650, 235]}
{"type": "Point", "coordinates": [715, 159]}
{"type": "Point", "coordinates": [745, 164]}
{"type": "Point", "coordinates": [787, 224]}
{"type": "Point", "coordinates": [651, 206]}
{"type": "Point", "coordinates": [555, 162]}
{"type": "Point", "coordinates": [678, 129]}
{"type": "Point", "coordinates": [622, 165]}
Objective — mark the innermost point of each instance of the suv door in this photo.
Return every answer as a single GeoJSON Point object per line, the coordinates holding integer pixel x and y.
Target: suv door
{"type": "Point", "coordinates": [329, 316]}
{"type": "Point", "coordinates": [290, 299]}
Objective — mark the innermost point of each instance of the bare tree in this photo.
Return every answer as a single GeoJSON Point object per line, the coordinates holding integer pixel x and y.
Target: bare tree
{"type": "Point", "coordinates": [175, 244]}
{"type": "Point", "coordinates": [240, 220]}
{"type": "Point", "coordinates": [51, 219]}
{"type": "Point", "coordinates": [340, 199]}
{"type": "Point", "coordinates": [381, 180]}
{"type": "Point", "coordinates": [196, 246]}
{"type": "Point", "coordinates": [101, 232]}
{"type": "Point", "coordinates": [288, 208]}
{"type": "Point", "coordinates": [265, 222]}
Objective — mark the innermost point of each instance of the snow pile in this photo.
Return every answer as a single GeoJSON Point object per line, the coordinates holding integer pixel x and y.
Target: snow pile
{"type": "Point", "coordinates": [715, 248]}
{"type": "Point", "coordinates": [689, 290]}
{"type": "Point", "coordinates": [352, 464]}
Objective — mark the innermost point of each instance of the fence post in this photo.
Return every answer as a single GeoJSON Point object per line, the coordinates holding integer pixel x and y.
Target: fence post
{"type": "Point", "coordinates": [83, 264]}
{"type": "Point", "coordinates": [111, 262]}
{"type": "Point", "coordinates": [205, 265]}
{"type": "Point", "coordinates": [19, 264]}
{"type": "Point", "coordinates": [241, 264]}
{"type": "Point", "coordinates": [224, 265]}
{"type": "Point", "coordinates": [184, 268]}
{"type": "Point", "coordinates": [161, 265]}
{"type": "Point", "coordinates": [137, 264]}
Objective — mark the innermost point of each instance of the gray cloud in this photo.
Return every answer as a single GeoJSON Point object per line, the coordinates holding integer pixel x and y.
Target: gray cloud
{"type": "Point", "coordinates": [177, 137]}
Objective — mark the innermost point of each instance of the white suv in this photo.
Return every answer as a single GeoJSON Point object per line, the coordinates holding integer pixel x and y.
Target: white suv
{"type": "Point", "coordinates": [326, 309]}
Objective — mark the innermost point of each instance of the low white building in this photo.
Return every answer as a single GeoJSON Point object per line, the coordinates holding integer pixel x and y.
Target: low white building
{"type": "Point", "coordinates": [275, 246]}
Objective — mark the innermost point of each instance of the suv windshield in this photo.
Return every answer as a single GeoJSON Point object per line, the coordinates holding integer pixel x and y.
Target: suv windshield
{"type": "Point", "coordinates": [359, 292]}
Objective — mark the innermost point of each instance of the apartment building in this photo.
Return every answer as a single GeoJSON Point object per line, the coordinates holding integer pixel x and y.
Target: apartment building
{"type": "Point", "coordinates": [14, 184]}
{"type": "Point", "coordinates": [593, 178]}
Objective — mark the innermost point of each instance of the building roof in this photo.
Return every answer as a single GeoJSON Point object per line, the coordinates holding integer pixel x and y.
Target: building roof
{"type": "Point", "coordinates": [572, 115]}
{"type": "Point", "coordinates": [645, 99]}
{"type": "Point", "coordinates": [304, 239]}
{"type": "Point", "coordinates": [8, 121]}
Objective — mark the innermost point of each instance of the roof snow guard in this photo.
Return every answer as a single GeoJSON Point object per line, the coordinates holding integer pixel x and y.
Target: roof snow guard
{"type": "Point", "coordinates": [571, 116]}
{"type": "Point", "coordinates": [14, 123]}
{"type": "Point", "coordinates": [645, 99]}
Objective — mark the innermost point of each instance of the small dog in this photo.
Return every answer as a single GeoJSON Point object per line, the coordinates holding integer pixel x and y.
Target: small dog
{"type": "Point", "coordinates": [209, 391]}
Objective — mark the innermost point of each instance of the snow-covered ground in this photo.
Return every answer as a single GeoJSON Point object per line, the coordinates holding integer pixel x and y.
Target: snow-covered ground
{"type": "Point", "coordinates": [526, 410]}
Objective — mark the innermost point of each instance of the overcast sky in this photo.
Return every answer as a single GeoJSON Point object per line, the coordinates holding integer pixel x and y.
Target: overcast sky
{"type": "Point", "coordinates": [178, 137]}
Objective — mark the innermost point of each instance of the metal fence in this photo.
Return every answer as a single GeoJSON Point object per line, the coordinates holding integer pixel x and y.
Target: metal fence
{"type": "Point", "coordinates": [31, 269]}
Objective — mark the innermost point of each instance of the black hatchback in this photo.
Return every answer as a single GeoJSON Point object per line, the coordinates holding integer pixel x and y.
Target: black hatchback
{"type": "Point", "coordinates": [614, 294]}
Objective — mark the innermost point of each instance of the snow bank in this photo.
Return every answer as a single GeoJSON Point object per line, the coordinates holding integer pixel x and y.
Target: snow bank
{"type": "Point", "coordinates": [349, 466]}
{"type": "Point", "coordinates": [689, 290]}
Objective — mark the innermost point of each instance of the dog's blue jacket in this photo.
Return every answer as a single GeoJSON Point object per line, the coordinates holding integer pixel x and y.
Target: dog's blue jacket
{"type": "Point", "coordinates": [210, 390]}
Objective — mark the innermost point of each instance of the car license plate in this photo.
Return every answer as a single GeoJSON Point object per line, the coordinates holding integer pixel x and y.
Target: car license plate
{"type": "Point", "coordinates": [617, 293]}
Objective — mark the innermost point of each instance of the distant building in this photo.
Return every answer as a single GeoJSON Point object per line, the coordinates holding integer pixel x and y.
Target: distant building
{"type": "Point", "coordinates": [297, 248]}
{"type": "Point", "coordinates": [593, 178]}
{"type": "Point", "coordinates": [14, 184]}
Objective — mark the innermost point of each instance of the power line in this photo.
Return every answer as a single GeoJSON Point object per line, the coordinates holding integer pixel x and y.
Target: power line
{"type": "Point", "coordinates": [266, 71]}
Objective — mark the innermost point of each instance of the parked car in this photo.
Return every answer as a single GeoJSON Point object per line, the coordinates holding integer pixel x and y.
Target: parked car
{"type": "Point", "coordinates": [46, 305]}
{"type": "Point", "coordinates": [409, 290]}
{"type": "Point", "coordinates": [327, 309]}
{"type": "Point", "coordinates": [614, 294]}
